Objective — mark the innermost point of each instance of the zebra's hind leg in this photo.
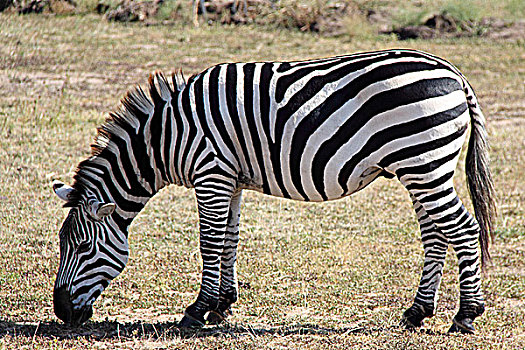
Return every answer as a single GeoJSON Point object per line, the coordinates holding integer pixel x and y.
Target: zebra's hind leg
{"type": "Point", "coordinates": [229, 286]}
{"type": "Point", "coordinates": [435, 245]}
{"type": "Point", "coordinates": [464, 238]}
{"type": "Point", "coordinates": [451, 218]}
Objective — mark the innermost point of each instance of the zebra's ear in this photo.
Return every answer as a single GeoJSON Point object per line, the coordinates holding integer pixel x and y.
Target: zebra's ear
{"type": "Point", "coordinates": [62, 190]}
{"type": "Point", "coordinates": [102, 210]}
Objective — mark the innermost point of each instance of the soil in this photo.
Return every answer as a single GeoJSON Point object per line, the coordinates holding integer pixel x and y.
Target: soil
{"type": "Point", "coordinates": [446, 26]}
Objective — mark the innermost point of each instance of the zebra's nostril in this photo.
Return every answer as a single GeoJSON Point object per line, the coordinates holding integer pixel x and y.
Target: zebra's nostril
{"type": "Point", "coordinates": [62, 304]}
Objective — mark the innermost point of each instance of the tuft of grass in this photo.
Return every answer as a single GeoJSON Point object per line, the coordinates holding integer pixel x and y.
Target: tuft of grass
{"type": "Point", "coordinates": [515, 7]}
{"type": "Point", "coordinates": [302, 15]}
{"type": "Point", "coordinates": [410, 13]}
{"type": "Point", "coordinates": [410, 16]}
{"type": "Point", "coordinates": [174, 10]}
{"type": "Point", "coordinates": [357, 27]}
{"type": "Point", "coordinates": [463, 10]}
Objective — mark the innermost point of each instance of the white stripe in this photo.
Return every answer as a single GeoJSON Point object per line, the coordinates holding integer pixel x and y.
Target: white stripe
{"type": "Point", "coordinates": [225, 114]}
{"type": "Point", "coordinates": [244, 124]}
{"type": "Point", "coordinates": [265, 148]}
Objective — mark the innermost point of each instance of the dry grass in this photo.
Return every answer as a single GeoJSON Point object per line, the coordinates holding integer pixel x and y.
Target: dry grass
{"type": "Point", "coordinates": [333, 275]}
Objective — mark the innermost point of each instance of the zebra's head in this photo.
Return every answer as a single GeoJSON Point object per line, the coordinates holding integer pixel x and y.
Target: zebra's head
{"type": "Point", "coordinates": [92, 253]}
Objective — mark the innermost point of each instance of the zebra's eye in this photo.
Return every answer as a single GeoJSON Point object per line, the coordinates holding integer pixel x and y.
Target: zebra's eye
{"type": "Point", "coordinates": [83, 247]}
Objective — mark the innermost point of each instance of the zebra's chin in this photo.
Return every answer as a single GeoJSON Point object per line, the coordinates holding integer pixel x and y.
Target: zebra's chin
{"type": "Point", "coordinates": [80, 316]}
{"type": "Point", "coordinates": [65, 310]}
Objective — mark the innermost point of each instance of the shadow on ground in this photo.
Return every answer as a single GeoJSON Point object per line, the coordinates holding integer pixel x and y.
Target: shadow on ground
{"type": "Point", "coordinates": [115, 330]}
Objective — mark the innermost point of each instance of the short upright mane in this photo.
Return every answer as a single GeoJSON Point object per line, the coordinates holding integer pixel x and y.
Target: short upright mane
{"type": "Point", "coordinates": [134, 110]}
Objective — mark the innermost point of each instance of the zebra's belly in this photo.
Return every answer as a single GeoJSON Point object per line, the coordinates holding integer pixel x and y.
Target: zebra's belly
{"type": "Point", "coordinates": [325, 189]}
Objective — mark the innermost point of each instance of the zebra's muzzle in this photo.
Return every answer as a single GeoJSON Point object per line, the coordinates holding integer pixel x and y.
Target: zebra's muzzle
{"type": "Point", "coordinates": [64, 310]}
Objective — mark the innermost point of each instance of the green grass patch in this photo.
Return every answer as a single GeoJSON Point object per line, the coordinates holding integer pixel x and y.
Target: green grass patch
{"type": "Point", "coordinates": [463, 10]}
{"type": "Point", "coordinates": [410, 13]}
{"type": "Point", "coordinates": [516, 8]}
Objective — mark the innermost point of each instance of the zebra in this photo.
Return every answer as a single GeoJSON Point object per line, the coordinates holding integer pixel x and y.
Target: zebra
{"type": "Point", "coordinates": [313, 130]}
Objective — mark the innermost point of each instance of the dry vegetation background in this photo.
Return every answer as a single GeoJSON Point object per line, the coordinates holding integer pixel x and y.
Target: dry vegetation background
{"type": "Point", "coordinates": [314, 276]}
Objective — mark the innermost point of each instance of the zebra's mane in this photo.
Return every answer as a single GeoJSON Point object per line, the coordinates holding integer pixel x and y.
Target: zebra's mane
{"type": "Point", "coordinates": [135, 108]}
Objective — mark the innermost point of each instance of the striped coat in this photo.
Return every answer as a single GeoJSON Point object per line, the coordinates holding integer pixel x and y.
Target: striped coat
{"type": "Point", "coordinates": [312, 130]}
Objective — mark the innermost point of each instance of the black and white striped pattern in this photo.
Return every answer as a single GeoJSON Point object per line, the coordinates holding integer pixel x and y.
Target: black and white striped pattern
{"type": "Point", "coordinates": [310, 130]}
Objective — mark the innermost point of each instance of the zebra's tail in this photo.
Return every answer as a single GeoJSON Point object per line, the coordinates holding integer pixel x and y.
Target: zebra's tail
{"type": "Point", "coordinates": [479, 179]}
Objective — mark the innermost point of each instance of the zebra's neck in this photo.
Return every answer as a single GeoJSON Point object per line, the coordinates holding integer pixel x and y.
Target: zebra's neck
{"type": "Point", "coordinates": [137, 151]}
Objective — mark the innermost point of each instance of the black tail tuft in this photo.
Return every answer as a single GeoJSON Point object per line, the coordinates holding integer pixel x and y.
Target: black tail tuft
{"type": "Point", "coordinates": [479, 179]}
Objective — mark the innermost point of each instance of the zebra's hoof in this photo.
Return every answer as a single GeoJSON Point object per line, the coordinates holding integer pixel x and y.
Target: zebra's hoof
{"type": "Point", "coordinates": [414, 316]}
{"type": "Point", "coordinates": [189, 323]}
{"type": "Point", "coordinates": [463, 326]}
{"type": "Point", "coordinates": [216, 317]}
{"type": "Point", "coordinates": [410, 323]}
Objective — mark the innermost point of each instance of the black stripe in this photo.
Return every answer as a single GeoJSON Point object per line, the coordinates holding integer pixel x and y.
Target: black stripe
{"type": "Point", "coordinates": [177, 136]}
{"type": "Point", "coordinates": [85, 289]}
{"type": "Point", "coordinates": [265, 99]}
{"type": "Point", "coordinates": [115, 265]}
{"type": "Point", "coordinates": [412, 151]}
{"type": "Point", "coordinates": [168, 139]}
{"type": "Point", "coordinates": [431, 184]}
{"type": "Point", "coordinates": [191, 132]}
{"type": "Point", "coordinates": [231, 99]}
{"type": "Point", "coordinates": [156, 129]}
{"type": "Point", "coordinates": [434, 196]}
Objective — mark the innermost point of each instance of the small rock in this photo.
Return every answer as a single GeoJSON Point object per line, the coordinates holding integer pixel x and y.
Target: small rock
{"type": "Point", "coordinates": [132, 11]}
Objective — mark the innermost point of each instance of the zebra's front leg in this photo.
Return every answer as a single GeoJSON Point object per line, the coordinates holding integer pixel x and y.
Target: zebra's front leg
{"type": "Point", "coordinates": [435, 245]}
{"type": "Point", "coordinates": [213, 201]}
{"type": "Point", "coordinates": [228, 290]}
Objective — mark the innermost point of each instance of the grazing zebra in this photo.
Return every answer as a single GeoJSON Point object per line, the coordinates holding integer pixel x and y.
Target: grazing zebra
{"type": "Point", "coordinates": [312, 130]}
